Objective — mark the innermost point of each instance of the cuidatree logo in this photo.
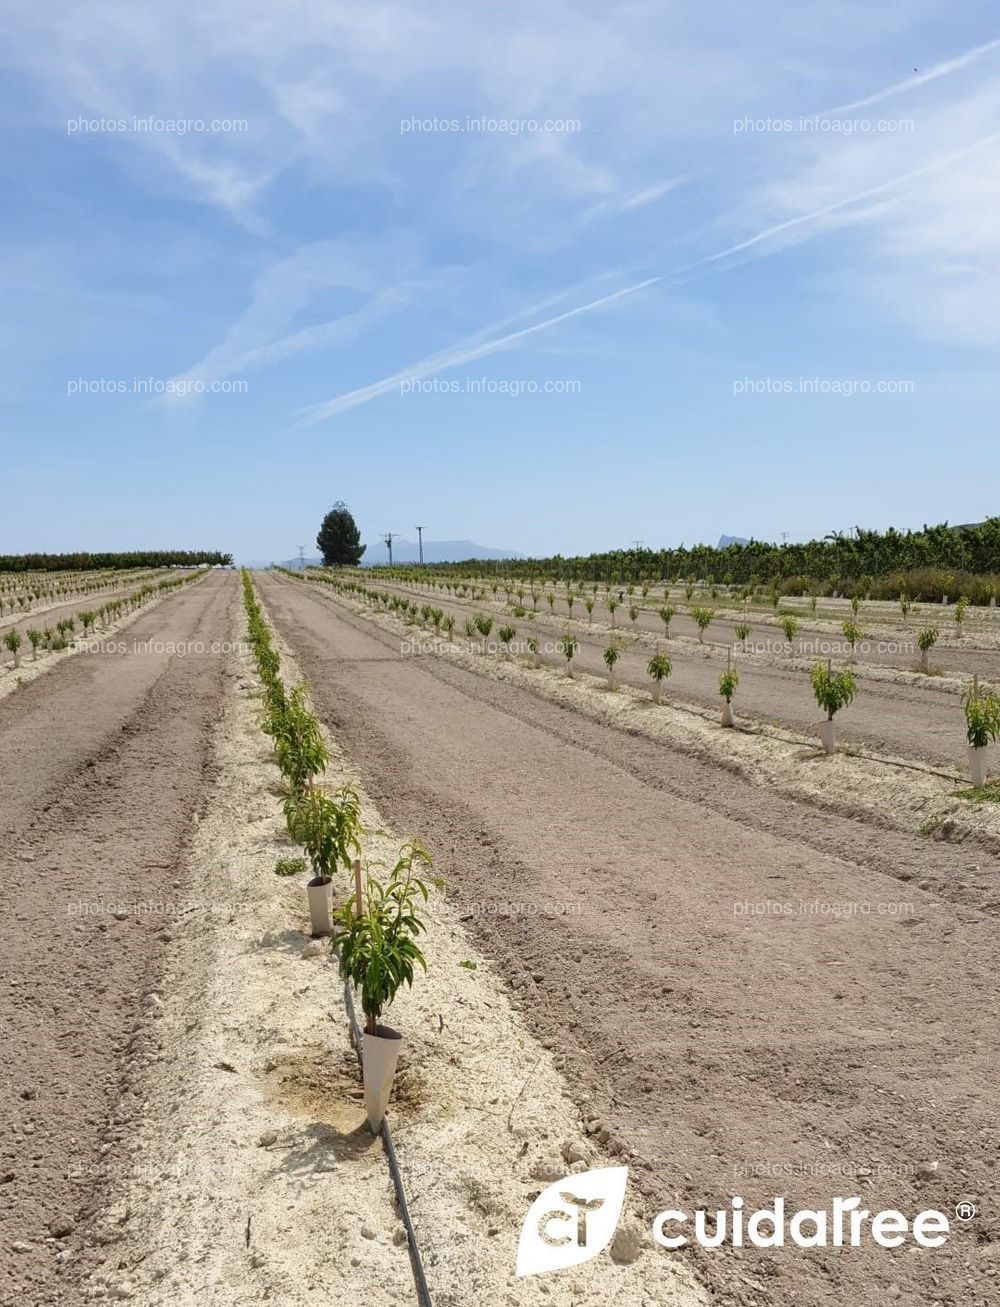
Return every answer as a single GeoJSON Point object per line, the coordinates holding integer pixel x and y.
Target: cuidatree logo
{"type": "Point", "coordinates": [572, 1220]}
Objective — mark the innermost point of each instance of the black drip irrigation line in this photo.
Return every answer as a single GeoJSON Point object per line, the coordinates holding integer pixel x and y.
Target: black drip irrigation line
{"type": "Point", "coordinates": [419, 1276]}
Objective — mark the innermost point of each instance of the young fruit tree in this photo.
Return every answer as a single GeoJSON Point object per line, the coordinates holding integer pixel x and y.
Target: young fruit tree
{"type": "Point", "coordinates": [853, 634]}
{"type": "Point", "coordinates": [611, 655]}
{"type": "Point", "coordinates": [701, 618]}
{"type": "Point", "coordinates": [666, 613]}
{"type": "Point", "coordinates": [789, 627]}
{"type": "Point", "coordinates": [833, 691]}
{"type": "Point", "coordinates": [728, 682]}
{"type": "Point", "coordinates": [12, 640]}
{"type": "Point", "coordinates": [982, 720]}
{"type": "Point", "coordinates": [506, 635]}
{"type": "Point", "coordinates": [375, 938]}
{"type": "Point", "coordinates": [659, 668]}
{"type": "Point", "coordinates": [329, 829]}
{"type": "Point", "coordinates": [743, 630]}
{"type": "Point", "coordinates": [568, 646]}
{"type": "Point", "coordinates": [926, 641]}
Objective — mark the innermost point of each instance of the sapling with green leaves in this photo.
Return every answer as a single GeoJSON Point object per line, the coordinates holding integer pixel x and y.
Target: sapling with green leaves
{"type": "Point", "coordinates": [35, 638]}
{"type": "Point", "coordinates": [905, 606]}
{"type": "Point", "coordinates": [568, 647]}
{"type": "Point", "coordinates": [505, 635]}
{"type": "Point", "coordinates": [982, 720]}
{"type": "Point", "coordinates": [728, 682]}
{"type": "Point", "coordinates": [633, 613]}
{"type": "Point", "coordinates": [926, 640]}
{"type": "Point", "coordinates": [666, 615]}
{"type": "Point", "coordinates": [611, 603]}
{"type": "Point", "coordinates": [982, 716]}
{"type": "Point", "coordinates": [789, 626]}
{"type": "Point", "coordinates": [588, 603]}
{"type": "Point", "coordinates": [833, 691]}
{"type": "Point", "coordinates": [961, 604]}
{"type": "Point", "coordinates": [299, 746]}
{"type": "Point", "coordinates": [702, 617]}
{"type": "Point", "coordinates": [570, 601]}
{"type": "Point", "coordinates": [743, 630]}
{"type": "Point", "coordinates": [659, 668]}
{"type": "Point", "coordinates": [531, 644]}
{"type": "Point", "coordinates": [853, 634]}
{"type": "Point", "coordinates": [12, 640]}
{"type": "Point", "coordinates": [611, 656]}
{"type": "Point", "coordinates": [376, 939]}
{"type": "Point", "coordinates": [484, 625]}
{"type": "Point", "coordinates": [328, 826]}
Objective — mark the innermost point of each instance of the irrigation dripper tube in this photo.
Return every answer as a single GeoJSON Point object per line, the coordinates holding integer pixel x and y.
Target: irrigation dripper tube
{"type": "Point", "coordinates": [419, 1277]}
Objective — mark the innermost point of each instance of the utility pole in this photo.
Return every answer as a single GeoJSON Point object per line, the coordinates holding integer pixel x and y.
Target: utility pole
{"type": "Point", "coordinates": [388, 538]}
{"type": "Point", "coordinates": [302, 557]}
{"type": "Point", "coordinates": [420, 543]}
{"type": "Point", "coordinates": [637, 544]}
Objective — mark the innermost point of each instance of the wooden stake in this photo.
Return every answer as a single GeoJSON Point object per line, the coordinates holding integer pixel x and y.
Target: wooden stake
{"type": "Point", "coordinates": [358, 905]}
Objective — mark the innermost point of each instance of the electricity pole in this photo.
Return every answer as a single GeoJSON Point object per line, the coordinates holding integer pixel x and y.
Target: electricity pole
{"type": "Point", "coordinates": [302, 557]}
{"type": "Point", "coordinates": [420, 543]}
{"type": "Point", "coordinates": [388, 538]}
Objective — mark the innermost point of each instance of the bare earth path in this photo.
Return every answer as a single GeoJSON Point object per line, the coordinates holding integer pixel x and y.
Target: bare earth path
{"type": "Point", "coordinates": [906, 721]}
{"type": "Point", "coordinates": [755, 997]}
{"type": "Point", "coordinates": [102, 768]}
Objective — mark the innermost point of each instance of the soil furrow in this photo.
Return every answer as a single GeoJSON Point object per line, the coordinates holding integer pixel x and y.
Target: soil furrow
{"type": "Point", "coordinates": [104, 764]}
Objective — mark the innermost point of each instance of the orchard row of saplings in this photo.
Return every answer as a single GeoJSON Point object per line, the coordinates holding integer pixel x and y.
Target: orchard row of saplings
{"type": "Point", "coordinates": [91, 620]}
{"type": "Point", "coordinates": [632, 597]}
{"type": "Point", "coordinates": [374, 931]}
{"type": "Point", "coordinates": [833, 690]}
{"type": "Point", "coordinates": [19, 593]}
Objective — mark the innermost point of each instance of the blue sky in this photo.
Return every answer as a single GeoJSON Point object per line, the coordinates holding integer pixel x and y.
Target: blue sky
{"type": "Point", "coordinates": [643, 239]}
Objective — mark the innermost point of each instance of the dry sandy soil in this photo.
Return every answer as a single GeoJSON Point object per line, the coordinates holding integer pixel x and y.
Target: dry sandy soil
{"type": "Point", "coordinates": [753, 996]}
{"type": "Point", "coordinates": [105, 763]}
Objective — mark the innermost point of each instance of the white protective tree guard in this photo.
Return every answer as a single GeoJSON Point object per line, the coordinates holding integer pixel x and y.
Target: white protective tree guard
{"type": "Point", "coordinates": [977, 766]}
{"type": "Point", "coordinates": [320, 900]}
{"type": "Point", "coordinates": [727, 715]}
{"type": "Point", "coordinates": [828, 736]}
{"type": "Point", "coordinates": [379, 1055]}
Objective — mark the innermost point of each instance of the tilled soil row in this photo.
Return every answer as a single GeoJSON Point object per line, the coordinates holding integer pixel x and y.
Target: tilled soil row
{"type": "Point", "coordinates": [673, 931]}
{"type": "Point", "coordinates": [104, 765]}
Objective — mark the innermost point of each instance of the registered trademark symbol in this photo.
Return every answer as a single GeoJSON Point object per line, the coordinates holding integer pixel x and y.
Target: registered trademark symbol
{"type": "Point", "coordinates": [965, 1211]}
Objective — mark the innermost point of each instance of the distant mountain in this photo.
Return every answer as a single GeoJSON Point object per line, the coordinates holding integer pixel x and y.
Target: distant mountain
{"type": "Point", "coordinates": [731, 540]}
{"type": "Point", "coordinates": [435, 551]}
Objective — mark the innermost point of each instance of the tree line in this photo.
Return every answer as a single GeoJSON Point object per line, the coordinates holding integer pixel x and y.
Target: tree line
{"type": "Point", "coordinates": [925, 564]}
{"type": "Point", "coordinates": [100, 562]}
